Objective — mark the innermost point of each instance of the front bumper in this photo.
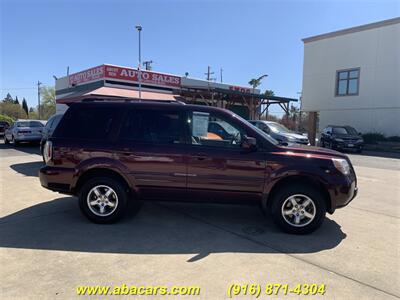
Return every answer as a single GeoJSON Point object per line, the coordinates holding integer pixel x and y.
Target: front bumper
{"type": "Point", "coordinates": [344, 191]}
{"type": "Point", "coordinates": [348, 145]}
{"type": "Point", "coordinates": [56, 179]}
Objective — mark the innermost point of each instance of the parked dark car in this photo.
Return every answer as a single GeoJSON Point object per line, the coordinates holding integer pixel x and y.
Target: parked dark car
{"type": "Point", "coordinates": [112, 154]}
{"type": "Point", "coordinates": [48, 130]}
{"type": "Point", "coordinates": [24, 131]}
{"type": "Point", "coordinates": [280, 133]}
{"type": "Point", "coordinates": [342, 138]}
{"type": "Point", "coordinates": [3, 126]}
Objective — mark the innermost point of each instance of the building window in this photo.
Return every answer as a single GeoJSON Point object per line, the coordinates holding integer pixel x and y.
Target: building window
{"type": "Point", "coordinates": [347, 82]}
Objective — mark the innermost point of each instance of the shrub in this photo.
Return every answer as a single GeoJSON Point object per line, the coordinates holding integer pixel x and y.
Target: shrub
{"type": "Point", "coordinates": [6, 118]}
{"type": "Point", "coordinates": [394, 138]}
{"type": "Point", "coordinates": [373, 137]}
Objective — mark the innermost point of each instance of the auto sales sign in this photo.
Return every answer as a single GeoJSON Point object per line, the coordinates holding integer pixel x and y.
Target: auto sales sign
{"type": "Point", "coordinates": [110, 72]}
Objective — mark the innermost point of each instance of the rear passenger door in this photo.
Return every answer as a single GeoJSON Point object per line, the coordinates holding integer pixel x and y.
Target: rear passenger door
{"type": "Point", "coordinates": [152, 146]}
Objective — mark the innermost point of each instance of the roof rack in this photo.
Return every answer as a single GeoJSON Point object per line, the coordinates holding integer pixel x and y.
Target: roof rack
{"type": "Point", "coordinates": [114, 99]}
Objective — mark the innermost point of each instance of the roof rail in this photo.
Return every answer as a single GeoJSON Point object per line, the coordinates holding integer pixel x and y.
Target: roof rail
{"type": "Point", "coordinates": [120, 99]}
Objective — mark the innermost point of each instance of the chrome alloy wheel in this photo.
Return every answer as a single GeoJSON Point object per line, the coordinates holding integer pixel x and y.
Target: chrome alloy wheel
{"type": "Point", "coordinates": [102, 200]}
{"type": "Point", "coordinates": [298, 210]}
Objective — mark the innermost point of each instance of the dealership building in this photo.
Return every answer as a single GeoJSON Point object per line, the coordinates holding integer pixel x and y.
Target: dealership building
{"type": "Point", "coordinates": [352, 77]}
{"type": "Point", "coordinates": [117, 83]}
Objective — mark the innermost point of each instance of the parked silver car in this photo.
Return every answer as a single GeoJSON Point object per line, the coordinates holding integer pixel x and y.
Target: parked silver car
{"type": "Point", "coordinates": [24, 131]}
{"type": "Point", "coordinates": [280, 132]}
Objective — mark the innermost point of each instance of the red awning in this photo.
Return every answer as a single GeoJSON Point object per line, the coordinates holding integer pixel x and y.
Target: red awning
{"type": "Point", "coordinates": [111, 92]}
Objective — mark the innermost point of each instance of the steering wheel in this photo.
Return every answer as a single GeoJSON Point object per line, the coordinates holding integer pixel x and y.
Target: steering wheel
{"type": "Point", "coordinates": [235, 138]}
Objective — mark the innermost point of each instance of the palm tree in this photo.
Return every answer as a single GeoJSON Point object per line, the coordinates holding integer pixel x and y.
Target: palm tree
{"type": "Point", "coordinates": [255, 82]}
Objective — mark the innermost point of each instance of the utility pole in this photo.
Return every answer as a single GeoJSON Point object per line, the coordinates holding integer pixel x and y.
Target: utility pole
{"type": "Point", "coordinates": [220, 71]}
{"type": "Point", "coordinates": [209, 73]}
{"type": "Point", "coordinates": [147, 65]}
{"type": "Point", "coordinates": [139, 29]}
{"type": "Point", "coordinates": [38, 97]}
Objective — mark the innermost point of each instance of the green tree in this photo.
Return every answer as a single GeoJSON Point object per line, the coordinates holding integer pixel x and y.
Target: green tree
{"type": "Point", "coordinates": [48, 103]}
{"type": "Point", "coordinates": [12, 110]}
{"type": "Point", "coordinates": [269, 93]}
{"type": "Point", "coordinates": [8, 98]}
{"type": "Point", "coordinates": [255, 82]}
{"type": "Point", "coordinates": [25, 106]}
{"type": "Point", "coordinates": [16, 101]}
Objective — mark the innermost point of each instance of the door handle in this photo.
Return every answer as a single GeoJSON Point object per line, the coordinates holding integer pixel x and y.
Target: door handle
{"type": "Point", "coordinates": [200, 156]}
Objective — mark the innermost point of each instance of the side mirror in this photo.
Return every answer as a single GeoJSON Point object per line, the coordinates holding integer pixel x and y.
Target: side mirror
{"type": "Point", "coordinates": [283, 143]}
{"type": "Point", "coordinates": [249, 143]}
{"type": "Point", "coordinates": [328, 133]}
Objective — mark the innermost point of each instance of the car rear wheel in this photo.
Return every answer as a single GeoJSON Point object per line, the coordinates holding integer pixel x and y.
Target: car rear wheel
{"type": "Point", "coordinates": [6, 141]}
{"type": "Point", "coordinates": [298, 209]}
{"type": "Point", "coordinates": [103, 200]}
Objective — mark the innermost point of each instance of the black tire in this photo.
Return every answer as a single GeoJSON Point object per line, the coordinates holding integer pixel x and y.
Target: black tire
{"type": "Point", "coordinates": [121, 192]}
{"type": "Point", "coordinates": [323, 144]}
{"type": "Point", "coordinates": [359, 151]}
{"type": "Point", "coordinates": [318, 208]}
{"type": "Point", "coordinates": [13, 141]}
{"type": "Point", "coordinates": [6, 141]}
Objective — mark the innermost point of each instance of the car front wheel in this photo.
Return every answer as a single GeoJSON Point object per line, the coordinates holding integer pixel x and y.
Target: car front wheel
{"type": "Point", "coordinates": [103, 200]}
{"type": "Point", "coordinates": [298, 209]}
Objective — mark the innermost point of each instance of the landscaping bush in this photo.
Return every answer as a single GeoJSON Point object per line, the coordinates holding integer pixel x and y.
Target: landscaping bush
{"type": "Point", "coordinates": [375, 137]}
{"type": "Point", "coordinates": [394, 138]}
{"type": "Point", "coordinates": [6, 118]}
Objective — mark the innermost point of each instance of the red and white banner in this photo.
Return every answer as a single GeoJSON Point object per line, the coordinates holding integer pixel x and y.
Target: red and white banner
{"type": "Point", "coordinates": [92, 74]}
{"type": "Point", "coordinates": [126, 74]}
{"type": "Point", "coordinates": [147, 77]}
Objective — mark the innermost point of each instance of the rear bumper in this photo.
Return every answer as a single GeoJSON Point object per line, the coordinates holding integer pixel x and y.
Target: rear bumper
{"type": "Point", "coordinates": [56, 179]}
{"type": "Point", "coordinates": [28, 138]}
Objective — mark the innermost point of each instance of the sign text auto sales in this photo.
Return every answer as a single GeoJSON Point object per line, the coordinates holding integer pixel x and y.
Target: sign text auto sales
{"type": "Point", "coordinates": [147, 77]}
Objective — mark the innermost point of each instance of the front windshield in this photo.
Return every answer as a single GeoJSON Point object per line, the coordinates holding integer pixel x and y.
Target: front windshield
{"type": "Point", "coordinates": [29, 124]}
{"type": "Point", "coordinates": [265, 135]}
{"type": "Point", "coordinates": [340, 130]}
{"type": "Point", "coordinates": [351, 130]}
{"type": "Point", "coordinates": [276, 127]}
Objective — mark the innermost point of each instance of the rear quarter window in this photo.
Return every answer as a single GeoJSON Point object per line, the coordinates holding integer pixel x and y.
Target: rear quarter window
{"type": "Point", "coordinates": [88, 122]}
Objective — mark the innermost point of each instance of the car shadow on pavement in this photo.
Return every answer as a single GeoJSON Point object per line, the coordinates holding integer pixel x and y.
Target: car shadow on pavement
{"type": "Point", "coordinates": [29, 148]}
{"type": "Point", "coordinates": [28, 169]}
{"type": "Point", "coordinates": [160, 228]}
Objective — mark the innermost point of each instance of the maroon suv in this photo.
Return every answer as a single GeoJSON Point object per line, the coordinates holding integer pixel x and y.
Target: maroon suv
{"type": "Point", "coordinates": [113, 154]}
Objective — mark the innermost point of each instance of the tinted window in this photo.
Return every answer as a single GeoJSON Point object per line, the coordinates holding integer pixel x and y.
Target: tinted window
{"type": "Point", "coordinates": [88, 123]}
{"type": "Point", "coordinates": [29, 124]}
{"type": "Point", "coordinates": [339, 130]}
{"type": "Point", "coordinates": [153, 126]}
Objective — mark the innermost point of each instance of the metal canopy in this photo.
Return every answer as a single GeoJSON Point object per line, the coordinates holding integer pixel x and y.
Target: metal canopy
{"type": "Point", "coordinates": [258, 104]}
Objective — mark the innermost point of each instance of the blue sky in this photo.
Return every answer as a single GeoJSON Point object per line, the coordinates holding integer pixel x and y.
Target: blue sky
{"type": "Point", "coordinates": [246, 38]}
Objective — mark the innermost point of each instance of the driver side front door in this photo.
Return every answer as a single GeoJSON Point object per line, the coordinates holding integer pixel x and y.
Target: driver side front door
{"type": "Point", "coordinates": [219, 169]}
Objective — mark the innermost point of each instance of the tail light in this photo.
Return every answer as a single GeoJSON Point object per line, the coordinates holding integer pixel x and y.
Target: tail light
{"type": "Point", "coordinates": [48, 151]}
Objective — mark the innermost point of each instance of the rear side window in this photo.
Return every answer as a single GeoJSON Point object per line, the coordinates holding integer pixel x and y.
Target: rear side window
{"type": "Point", "coordinates": [153, 126]}
{"type": "Point", "coordinates": [92, 123]}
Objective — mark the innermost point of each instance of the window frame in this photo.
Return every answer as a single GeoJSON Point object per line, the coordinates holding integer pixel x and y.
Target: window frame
{"type": "Point", "coordinates": [337, 80]}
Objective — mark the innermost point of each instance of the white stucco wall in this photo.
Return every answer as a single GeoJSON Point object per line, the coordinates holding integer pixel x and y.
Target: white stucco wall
{"type": "Point", "coordinates": [377, 53]}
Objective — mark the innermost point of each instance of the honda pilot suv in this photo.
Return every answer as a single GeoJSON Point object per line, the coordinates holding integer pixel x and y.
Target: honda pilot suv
{"type": "Point", "coordinates": [114, 154]}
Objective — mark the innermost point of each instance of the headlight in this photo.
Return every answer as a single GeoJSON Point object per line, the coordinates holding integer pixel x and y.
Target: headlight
{"type": "Point", "coordinates": [338, 140]}
{"type": "Point", "coordinates": [342, 165]}
{"type": "Point", "coordinates": [360, 141]}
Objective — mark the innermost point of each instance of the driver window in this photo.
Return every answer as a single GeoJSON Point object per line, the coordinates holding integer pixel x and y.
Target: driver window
{"type": "Point", "coordinates": [208, 129]}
